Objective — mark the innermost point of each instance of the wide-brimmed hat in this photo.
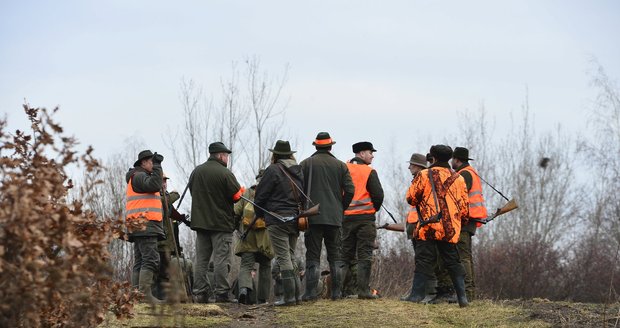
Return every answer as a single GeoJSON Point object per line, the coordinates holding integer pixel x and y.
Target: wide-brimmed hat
{"type": "Point", "coordinates": [323, 139]}
{"type": "Point", "coordinates": [441, 153]}
{"type": "Point", "coordinates": [218, 147]}
{"type": "Point", "coordinates": [418, 159]}
{"type": "Point", "coordinates": [361, 146]}
{"type": "Point", "coordinates": [461, 153]}
{"type": "Point", "coordinates": [282, 147]}
{"type": "Point", "coordinates": [143, 155]}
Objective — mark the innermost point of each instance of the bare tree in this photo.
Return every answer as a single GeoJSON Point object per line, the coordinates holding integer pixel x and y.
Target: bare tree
{"type": "Point", "coordinates": [189, 145]}
{"type": "Point", "coordinates": [264, 102]}
{"type": "Point", "coordinates": [233, 114]}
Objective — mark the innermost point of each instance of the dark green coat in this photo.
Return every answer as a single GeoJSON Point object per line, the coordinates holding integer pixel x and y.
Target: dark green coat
{"type": "Point", "coordinates": [145, 182]}
{"type": "Point", "coordinates": [212, 187]}
{"type": "Point", "coordinates": [331, 186]}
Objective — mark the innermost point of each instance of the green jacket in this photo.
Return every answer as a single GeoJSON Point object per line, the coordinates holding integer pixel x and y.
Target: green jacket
{"type": "Point", "coordinates": [331, 186]}
{"type": "Point", "coordinates": [213, 187]}
{"type": "Point", "coordinates": [167, 244]}
{"type": "Point", "coordinates": [257, 240]}
{"type": "Point", "coordinates": [145, 182]}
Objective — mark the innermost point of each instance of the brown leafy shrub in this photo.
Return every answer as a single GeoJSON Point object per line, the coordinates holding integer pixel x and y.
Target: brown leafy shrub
{"type": "Point", "coordinates": [510, 269]}
{"type": "Point", "coordinates": [54, 269]}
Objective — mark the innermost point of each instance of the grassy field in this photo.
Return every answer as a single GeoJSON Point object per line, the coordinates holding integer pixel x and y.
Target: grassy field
{"type": "Point", "coordinates": [379, 313]}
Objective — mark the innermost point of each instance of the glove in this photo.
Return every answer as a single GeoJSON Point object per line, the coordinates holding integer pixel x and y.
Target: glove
{"type": "Point", "coordinates": [158, 158]}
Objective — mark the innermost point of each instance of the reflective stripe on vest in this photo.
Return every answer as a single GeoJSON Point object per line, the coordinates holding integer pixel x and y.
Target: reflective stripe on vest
{"type": "Point", "coordinates": [412, 216]}
{"type": "Point", "coordinates": [477, 210]}
{"type": "Point", "coordinates": [361, 203]}
{"type": "Point", "coordinates": [147, 205]}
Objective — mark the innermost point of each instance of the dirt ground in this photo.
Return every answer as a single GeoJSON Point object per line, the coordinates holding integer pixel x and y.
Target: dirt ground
{"type": "Point", "coordinates": [379, 313]}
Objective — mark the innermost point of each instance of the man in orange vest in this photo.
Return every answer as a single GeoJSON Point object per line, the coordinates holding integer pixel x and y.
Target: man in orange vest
{"type": "Point", "coordinates": [358, 228]}
{"type": "Point", "coordinates": [144, 183]}
{"type": "Point", "coordinates": [417, 163]}
{"type": "Point", "coordinates": [477, 210]}
{"type": "Point", "coordinates": [441, 198]}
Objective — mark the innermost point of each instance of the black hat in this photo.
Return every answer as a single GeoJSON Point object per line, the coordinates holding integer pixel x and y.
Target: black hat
{"type": "Point", "coordinates": [441, 153]}
{"type": "Point", "coordinates": [364, 145]}
{"type": "Point", "coordinates": [323, 140]}
{"type": "Point", "coordinates": [418, 159]}
{"type": "Point", "coordinates": [218, 147]}
{"type": "Point", "coordinates": [429, 157]}
{"type": "Point", "coordinates": [143, 155]}
{"type": "Point", "coordinates": [282, 148]}
{"type": "Point", "coordinates": [462, 153]}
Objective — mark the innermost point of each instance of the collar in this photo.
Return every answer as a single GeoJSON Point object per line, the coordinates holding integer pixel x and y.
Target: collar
{"type": "Point", "coordinates": [441, 164]}
{"type": "Point", "coordinates": [357, 160]}
{"type": "Point", "coordinates": [216, 160]}
{"type": "Point", "coordinates": [323, 151]}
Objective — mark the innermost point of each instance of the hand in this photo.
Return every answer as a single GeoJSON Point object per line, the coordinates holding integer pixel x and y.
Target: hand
{"type": "Point", "coordinates": [158, 158]}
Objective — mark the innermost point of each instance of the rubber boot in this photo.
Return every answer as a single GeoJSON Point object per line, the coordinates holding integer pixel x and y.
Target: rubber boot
{"type": "Point", "coordinates": [336, 269]}
{"type": "Point", "coordinates": [145, 283]}
{"type": "Point", "coordinates": [297, 288]}
{"type": "Point", "coordinates": [363, 281]}
{"type": "Point", "coordinates": [459, 287]}
{"type": "Point", "coordinates": [244, 295]}
{"type": "Point", "coordinates": [418, 288]}
{"type": "Point", "coordinates": [288, 284]}
{"type": "Point", "coordinates": [312, 281]}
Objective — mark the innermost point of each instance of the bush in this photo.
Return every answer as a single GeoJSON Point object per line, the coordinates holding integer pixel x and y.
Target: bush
{"type": "Point", "coordinates": [54, 268]}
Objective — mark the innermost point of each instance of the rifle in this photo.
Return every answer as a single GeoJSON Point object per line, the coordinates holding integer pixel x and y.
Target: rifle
{"type": "Point", "coordinates": [314, 210]}
{"type": "Point", "coordinates": [390, 214]}
{"type": "Point", "coordinates": [511, 205]}
{"type": "Point", "coordinates": [393, 227]}
{"type": "Point", "coordinates": [168, 220]}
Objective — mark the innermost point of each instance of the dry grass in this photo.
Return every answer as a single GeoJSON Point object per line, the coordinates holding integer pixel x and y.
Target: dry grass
{"type": "Point", "coordinates": [393, 313]}
{"type": "Point", "coordinates": [184, 315]}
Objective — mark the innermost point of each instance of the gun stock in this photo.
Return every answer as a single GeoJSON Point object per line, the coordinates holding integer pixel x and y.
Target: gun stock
{"type": "Point", "coordinates": [393, 227]}
{"type": "Point", "coordinates": [312, 211]}
{"type": "Point", "coordinates": [511, 205]}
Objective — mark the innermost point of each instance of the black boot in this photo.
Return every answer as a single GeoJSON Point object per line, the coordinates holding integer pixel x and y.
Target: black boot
{"type": "Point", "coordinates": [418, 288]}
{"type": "Point", "coordinates": [363, 281]}
{"type": "Point", "coordinates": [444, 295]}
{"type": "Point", "coordinates": [297, 287]}
{"type": "Point", "coordinates": [312, 281]}
{"type": "Point", "coordinates": [459, 287]}
{"type": "Point", "coordinates": [336, 270]}
{"type": "Point", "coordinates": [288, 284]}
{"type": "Point", "coordinates": [244, 295]}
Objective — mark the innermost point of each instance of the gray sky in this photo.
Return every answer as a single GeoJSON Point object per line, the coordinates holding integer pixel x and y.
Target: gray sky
{"type": "Point", "coordinates": [381, 71]}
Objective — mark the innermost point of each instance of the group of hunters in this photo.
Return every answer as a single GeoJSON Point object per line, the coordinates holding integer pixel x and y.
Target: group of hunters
{"type": "Point", "coordinates": [446, 207]}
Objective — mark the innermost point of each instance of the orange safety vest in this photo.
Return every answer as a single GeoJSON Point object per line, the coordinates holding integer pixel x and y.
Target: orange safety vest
{"type": "Point", "coordinates": [146, 205]}
{"type": "Point", "coordinates": [477, 210]}
{"type": "Point", "coordinates": [361, 203]}
{"type": "Point", "coordinates": [412, 216]}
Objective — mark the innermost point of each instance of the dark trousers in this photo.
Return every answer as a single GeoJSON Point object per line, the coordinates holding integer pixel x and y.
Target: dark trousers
{"type": "Point", "coordinates": [314, 238]}
{"type": "Point", "coordinates": [465, 254]}
{"type": "Point", "coordinates": [145, 257]}
{"type": "Point", "coordinates": [358, 239]}
{"type": "Point", "coordinates": [426, 255]}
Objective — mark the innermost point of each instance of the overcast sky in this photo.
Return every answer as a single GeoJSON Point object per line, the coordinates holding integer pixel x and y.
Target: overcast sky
{"type": "Point", "coordinates": [380, 71]}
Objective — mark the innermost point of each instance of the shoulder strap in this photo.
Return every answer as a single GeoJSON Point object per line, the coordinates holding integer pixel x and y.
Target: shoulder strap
{"type": "Point", "coordinates": [294, 186]}
{"type": "Point", "coordinates": [430, 177]}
